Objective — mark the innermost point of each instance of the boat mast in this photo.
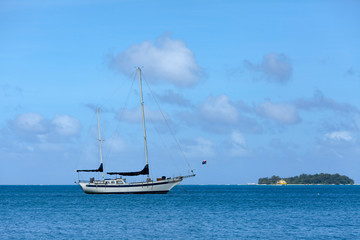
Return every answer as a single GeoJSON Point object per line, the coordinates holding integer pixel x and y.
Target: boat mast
{"type": "Point", "coordinates": [102, 173]}
{"type": "Point", "coordinates": [143, 118]}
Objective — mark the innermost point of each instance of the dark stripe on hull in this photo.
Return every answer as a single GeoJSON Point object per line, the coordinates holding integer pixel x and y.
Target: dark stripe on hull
{"type": "Point", "coordinates": [127, 185]}
{"type": "Point", "coordinates": [149, 192]}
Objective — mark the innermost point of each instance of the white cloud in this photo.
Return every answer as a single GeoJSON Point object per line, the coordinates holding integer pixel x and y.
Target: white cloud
{"type": "Point", "coordinates": [280, 112]}
{"type": "Point", "coordinates": [30, 122]}
{"type": "Point", "coordinates": [166, 60]}
{"type": "Point", "coordinates": [219, 109]}
{"type": "Point", "coordinates": [339, 136]}
{"type": "Point", "coordinates": [320, 102]}
{"type": "Point", "coordinates": [50, 147]}
{"type": "Point", "coordinates": [134, 115]}
{"type": "Point", "coordinates": [220, 115]}
{"type": "Point", "coordinates": [34, 127]}
{"type": "Point", "coordinates": [357, 120]}
{"type": "Point", "coordinates": [200, 148]}
{"type": "Point", "coordinates": [43, 138]}
{"type": "Point", "coordinates": [238, 138]}
{"type": "Point", "coordinates": [239, 146]}
{"type": "Point", "coordinates": [66, 125]}
{"type": "Point", "coordinates": [172, 97]}
{"type": "Point", "coordinates": [33, 133]}
{"type": "Point", "coordinates": [115, 144]}
{"type": "Point", "coordinates": [275, 67]}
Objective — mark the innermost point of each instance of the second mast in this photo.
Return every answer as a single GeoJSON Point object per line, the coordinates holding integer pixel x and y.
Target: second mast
{"type": "Point", "coordinates": [143, 119]}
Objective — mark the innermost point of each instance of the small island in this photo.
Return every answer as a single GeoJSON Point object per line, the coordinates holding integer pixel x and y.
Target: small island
{"type": "Point", "coordinates": [322, 178]}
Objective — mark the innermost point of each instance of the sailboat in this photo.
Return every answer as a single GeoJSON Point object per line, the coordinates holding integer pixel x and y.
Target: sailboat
{"type": "Point", "coordinates": [119, 185]}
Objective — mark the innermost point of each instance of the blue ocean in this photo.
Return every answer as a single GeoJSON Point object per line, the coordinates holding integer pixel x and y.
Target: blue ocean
{"type": "Point", "coordinates": [190, 212]}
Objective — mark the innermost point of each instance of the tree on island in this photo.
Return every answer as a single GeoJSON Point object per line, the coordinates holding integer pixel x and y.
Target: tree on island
{"type": "Point", "coordinates": [322, 178]}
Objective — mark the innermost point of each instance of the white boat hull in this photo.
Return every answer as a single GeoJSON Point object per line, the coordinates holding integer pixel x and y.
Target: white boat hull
{"type": "Point", "coordinates": [158, 187]}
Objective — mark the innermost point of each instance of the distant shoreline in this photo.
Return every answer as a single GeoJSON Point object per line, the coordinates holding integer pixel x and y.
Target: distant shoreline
{"type": "Point", "coordinates": [309, 179]}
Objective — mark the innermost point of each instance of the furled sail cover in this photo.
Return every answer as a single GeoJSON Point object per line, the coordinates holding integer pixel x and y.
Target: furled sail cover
{"type": "Point", "coordinates": [100, 169]}
{"type": "Point", "coordinates": [145, 171]}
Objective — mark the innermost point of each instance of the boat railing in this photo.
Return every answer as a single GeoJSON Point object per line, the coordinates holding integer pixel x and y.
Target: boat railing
{"type": "Point", "coordinates": [187, 176]}
{"type": "Point", "coordinates": [84, 181]}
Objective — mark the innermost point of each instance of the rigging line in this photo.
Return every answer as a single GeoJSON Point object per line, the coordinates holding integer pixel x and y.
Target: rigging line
{"type": "Point", "coordinates": [100, 106]}
{"type": "Point", "coordinates": [164, 145]}
{"type": "Point", "coordinates": [127, 97]}
{"type": "Point", "coordinates": [111, 95]}
{"type": "Point", "coordinates": [116, 133]}
{"type": "Point", "coordinates": [168, 125]}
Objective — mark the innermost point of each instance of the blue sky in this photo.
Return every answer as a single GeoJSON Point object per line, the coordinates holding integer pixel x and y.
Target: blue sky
{"type": "Point", "coordinates": [257, 88]}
